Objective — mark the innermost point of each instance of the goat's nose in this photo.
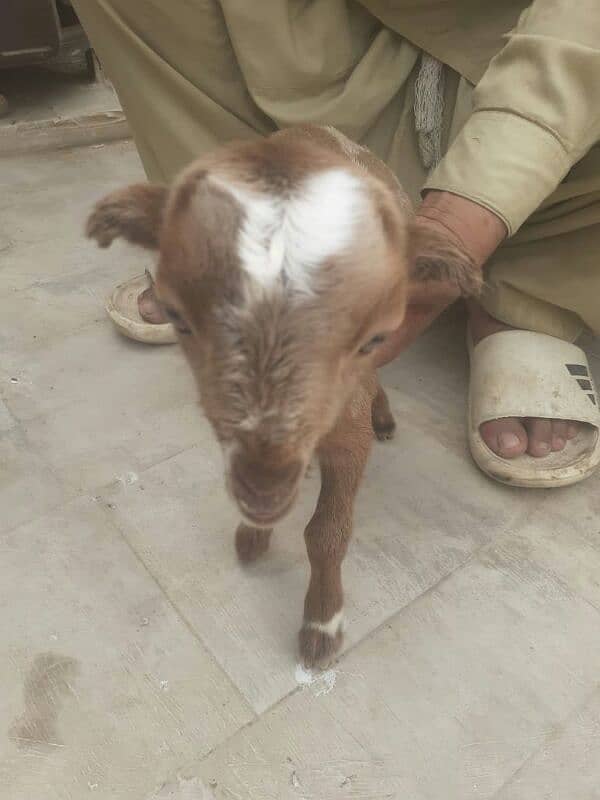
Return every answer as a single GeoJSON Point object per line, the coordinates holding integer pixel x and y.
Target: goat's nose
{"type": "Point", "coordinates": [264, 492]}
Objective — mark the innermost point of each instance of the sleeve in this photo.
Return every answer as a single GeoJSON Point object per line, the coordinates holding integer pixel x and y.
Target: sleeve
{"type": "Point", "coordinates": [536, 112]}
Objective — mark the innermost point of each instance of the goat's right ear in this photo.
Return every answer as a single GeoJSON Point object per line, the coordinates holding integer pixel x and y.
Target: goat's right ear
{"type": "Point", "coordinates": [135, 213]}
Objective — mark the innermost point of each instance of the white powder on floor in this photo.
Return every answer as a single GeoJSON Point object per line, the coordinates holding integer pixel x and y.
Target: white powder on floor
{"type": "Point", "coordinates": [128, 478]}
{"type": "Point", "coordinates": [322, 681]}
{"type": "Point", "coordinates": [183, 789]}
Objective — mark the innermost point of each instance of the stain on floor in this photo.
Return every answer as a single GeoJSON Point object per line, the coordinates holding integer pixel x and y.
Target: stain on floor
{"type": "Point", "coordinates": [49, 681]}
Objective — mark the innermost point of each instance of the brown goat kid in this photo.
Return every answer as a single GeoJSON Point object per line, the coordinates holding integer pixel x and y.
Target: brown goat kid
{"type": "Point", "coordinates": [283, 263]}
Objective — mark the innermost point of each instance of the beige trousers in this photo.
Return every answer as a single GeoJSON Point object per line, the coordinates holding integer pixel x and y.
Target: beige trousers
{"type": "Point", "coordinates": [192, 74]}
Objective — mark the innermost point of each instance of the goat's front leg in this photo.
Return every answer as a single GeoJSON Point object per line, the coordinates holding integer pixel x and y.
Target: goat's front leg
{"type": "Point", "coordinates": [342, 457]}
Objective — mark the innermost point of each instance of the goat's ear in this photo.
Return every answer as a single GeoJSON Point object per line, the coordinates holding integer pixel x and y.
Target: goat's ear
{"type": "Point", "coordinates": [433, 257]}
{"type": "Point", "coordinates": [135, 213]}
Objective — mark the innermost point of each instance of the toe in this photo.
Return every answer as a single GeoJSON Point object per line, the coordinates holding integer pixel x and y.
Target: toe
{"type": "Point", "coordinates": [559, 434]}
{"type": "Point", "coordinates": [149, 308]}
{"type": "Point", "coordinates": [539, 434]}
{"type": "Point", "coordinates": [506, 437]}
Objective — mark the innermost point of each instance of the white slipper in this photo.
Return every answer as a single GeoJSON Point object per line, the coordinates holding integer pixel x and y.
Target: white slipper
{"type": "Point", "coordinates": [122, 308]}
{"type": "Point", "coordinates": [525, 374]}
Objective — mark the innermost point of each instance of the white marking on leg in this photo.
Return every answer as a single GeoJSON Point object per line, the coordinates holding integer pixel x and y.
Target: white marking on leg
{"type": "Point", "coordinates": [293, 235]}
{"type": "Point", "coordinates": [251, 422]}
{"type": "Point", "coordinates": [331, 628]}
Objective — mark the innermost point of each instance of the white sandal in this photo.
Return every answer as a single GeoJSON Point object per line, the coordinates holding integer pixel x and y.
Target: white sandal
{"type": "Point", "coordinates": [526, 374]}
{"type": "Point", "coordinates": [122, 308]}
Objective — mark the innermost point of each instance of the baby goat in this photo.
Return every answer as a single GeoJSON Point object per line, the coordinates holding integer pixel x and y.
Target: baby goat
{"type": "Point", "coordinates": [283, 263]}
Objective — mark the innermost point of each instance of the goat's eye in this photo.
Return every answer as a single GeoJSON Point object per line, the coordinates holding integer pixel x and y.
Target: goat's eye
{"type": "Point", "coordinates": [372, 344]}
{"type": "Point", "coordinates": [177, 321]}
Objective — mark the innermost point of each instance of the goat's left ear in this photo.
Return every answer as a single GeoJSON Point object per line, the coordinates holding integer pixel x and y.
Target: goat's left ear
{"type": "Point", "coordinates": [135, 213]}
{"type": "Point", "coordinates": [433, 257]}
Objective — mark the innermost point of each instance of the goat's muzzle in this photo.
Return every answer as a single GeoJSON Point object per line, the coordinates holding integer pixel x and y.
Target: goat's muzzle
{"type": "Point", "coordinates": [264, 493]}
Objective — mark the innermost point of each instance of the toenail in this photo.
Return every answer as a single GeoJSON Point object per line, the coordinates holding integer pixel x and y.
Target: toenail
{"type": "Point", "coordinates": [559, 442]}
{"type": "Point", "coordinates": [543, 445]}
{"type": "Point", "coordinates": [508, 441]}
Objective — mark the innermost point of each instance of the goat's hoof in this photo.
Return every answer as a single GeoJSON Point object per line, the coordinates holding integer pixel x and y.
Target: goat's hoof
{"type": "Point", "coordinates": [103, 224]}
{"type": "Point", "coordinates": [251, 543]}
{"type": "Point", "coordinates": [384, 427]}
{"type": "Point", "coordinates": [318, 648]}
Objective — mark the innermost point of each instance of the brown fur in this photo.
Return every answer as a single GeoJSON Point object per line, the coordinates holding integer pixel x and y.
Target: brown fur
{"type": "Point", "coordinates": [282, 376]}
{"type": "Point", "coordinates": [135, 213]}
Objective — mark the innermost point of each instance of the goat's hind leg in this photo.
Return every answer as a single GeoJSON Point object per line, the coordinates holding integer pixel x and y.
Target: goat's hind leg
{"type": "Point", "coordinates": [382, 418]}
{"type": "Point", "coordinates": [251, 543]}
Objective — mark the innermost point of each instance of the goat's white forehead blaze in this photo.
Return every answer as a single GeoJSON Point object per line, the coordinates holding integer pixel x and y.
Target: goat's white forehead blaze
{"type": "Point", "coordinates": [290, 236]}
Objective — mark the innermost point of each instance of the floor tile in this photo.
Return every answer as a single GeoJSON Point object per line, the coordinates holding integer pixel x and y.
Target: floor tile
{"type": "Point", "coordinates": [110, 689]}
{"type": "Point", "coordinates": [28, 487]}
{"type": "Point", "coordinates": [453, 698]}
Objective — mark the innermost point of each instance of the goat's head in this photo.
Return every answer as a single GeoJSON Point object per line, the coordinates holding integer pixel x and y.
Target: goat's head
{"type": "Point", "coordinates": [282, 266]}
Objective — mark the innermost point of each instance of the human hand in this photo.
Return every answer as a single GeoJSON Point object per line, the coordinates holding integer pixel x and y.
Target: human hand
{"type": "Point", "coordinates": [469, 229]}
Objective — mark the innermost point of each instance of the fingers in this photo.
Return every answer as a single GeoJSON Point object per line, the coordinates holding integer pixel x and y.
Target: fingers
{"type": "Point", "coordinates": [417, 320]}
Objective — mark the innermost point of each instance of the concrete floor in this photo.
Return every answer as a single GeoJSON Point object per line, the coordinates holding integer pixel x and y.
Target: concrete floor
{"type": "Point", "coordinates": [36, 94]}
{"type": "Point", "coordinates": [140, 661]}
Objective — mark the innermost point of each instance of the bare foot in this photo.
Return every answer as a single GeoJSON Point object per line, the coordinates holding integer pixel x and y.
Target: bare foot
{"type": "Point", "coordinates": [510, 437]}
{"type": "Point", "coordinates": [150, 309]}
